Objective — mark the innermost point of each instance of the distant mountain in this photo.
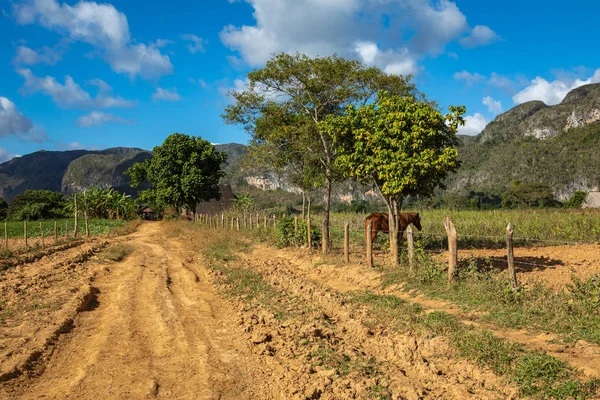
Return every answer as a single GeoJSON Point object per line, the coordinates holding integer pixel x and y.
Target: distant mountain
{"type": "Point", "coordinates": [533, 142]}
{"type": "Point", "coordinates": [558, 145]}
{"type": "Point", "coordinates": [76, 170]}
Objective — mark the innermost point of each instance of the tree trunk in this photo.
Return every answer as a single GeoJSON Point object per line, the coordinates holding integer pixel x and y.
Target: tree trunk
{"type": "Point", "coordinates": [326, 240]}
{"type": "Point", "coordinates": [303, 204]}
{"type": "Point", "coordinates": [308, 206]}
{"type": "Point", "coordinates": [394, 222]}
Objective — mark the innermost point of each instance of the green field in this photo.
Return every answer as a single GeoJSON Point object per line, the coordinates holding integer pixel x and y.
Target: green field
{"type": "Point", "coordinates": [486, 228]}
{"type": "Point", "coordinates": [97, 227]}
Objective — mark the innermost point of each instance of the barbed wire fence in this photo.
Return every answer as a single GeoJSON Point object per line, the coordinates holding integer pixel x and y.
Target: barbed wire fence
{"type": "Point", "coordinates": [348, 239]}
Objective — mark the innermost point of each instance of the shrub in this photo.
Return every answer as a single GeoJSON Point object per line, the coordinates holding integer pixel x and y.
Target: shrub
{"type": "Point", "coordinates": [287, 237]}
{"type": "Point", "coordinates": [576, 199]}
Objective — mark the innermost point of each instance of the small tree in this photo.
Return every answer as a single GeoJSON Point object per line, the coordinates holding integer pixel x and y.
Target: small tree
{"type": "Point", "coordinates": [401, 145]}
{"type": "Point", "coordinates": [184, 171]}
{"type": "Point", "coordinates": [528, 195]}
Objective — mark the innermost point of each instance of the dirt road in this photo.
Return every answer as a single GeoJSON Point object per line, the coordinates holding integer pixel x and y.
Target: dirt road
{"type": "Point", "coordinates": [156, 329]}
{"type": "Point", "coordinates": [169, 322]}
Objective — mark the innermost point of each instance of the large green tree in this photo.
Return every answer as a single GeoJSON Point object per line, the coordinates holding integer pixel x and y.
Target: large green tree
{"type": "Point", "coordinates": [402, 145]}
{"type": "Point", "coordinates": [305, 91]}
{"type": "Point", "coordinates": [184, 171]}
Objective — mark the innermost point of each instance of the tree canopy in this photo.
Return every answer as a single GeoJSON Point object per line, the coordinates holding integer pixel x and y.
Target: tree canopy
{"type": "Point", "coordinates": [402, 145]}
{"type": "Point", "coordinates": [37, 204]}
{"type": "Point", "coordinates": [184, 171]}
{"type": "Point", "coordinates": [287, 99]}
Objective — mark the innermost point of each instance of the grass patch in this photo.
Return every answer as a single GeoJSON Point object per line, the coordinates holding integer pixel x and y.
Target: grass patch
{"type": "Point", "coordinates": [537, 374]}
{"type": "Point", "coordinates": [571, 313]}
{"type": "Point", "coordinates": [116, 252]}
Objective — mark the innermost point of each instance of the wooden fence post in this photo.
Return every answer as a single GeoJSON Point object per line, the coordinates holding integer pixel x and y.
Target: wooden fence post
{"type": "Point", "coordinates": [85, 214]}
{"type": "Point", "coordinates": [410, 237]}
{"type": "Point", "coordinates": [512, 275]}
{"type": "Point", "coordinates": [309, 237]}
{"type": "Point", "coordinates": [42, 234]}
{"type": "Point", "coordinates": [25, 232]}
{"type": "Point", "coordinates": [237, 222]}
{"type": "Point", "coordinates": [6, 235]}
{"type": "Point", "coordinates": [66, 228]}
{"type": "Point", "coordinates": [347, 243]}
{"type": "Point", "coordinates": [55, 232]}
{"type": "Point", "coordinates": [295, 225]}
{"type": "Point", "coordinates": [369, 244]}
{"type": "Point", "coordinates": [275, 223]}
{"type": "Point", "coordinates": [245, 222]}
{"type": "Point", "coordinates": [232, 222]}
{"type": "Point", "coordinates": [452, 250]}
{"type": "Point", "coordinates": [265, 222]}
{"type": "Point", "coordinates": [75, 230]}
{"type": "Point", "coordinates": [222, 221]}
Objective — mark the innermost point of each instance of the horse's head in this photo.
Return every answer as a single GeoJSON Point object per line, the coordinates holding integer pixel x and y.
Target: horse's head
{"type": "Point", "coordinates": [417, 221]}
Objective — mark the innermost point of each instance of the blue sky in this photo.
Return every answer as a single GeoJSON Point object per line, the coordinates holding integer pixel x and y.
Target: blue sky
{"type": "Point", "coordinates": [130, 72]}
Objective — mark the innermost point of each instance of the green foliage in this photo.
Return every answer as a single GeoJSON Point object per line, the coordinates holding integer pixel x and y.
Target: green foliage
{"type": "Point", "coordinates": [104, 203]}
{"type": "Point", "coordinates": [403, 145]}
{"type": "Point", "coordinates": [3, 208]}
{"type": "Point", "coordinates": [287, 237]}
{"type": "Point", "coordinates": [37, 204]}
{"type": "Point", "coordinates": [184, 171]}
{"type": "Point", "coordinates": [528, 195]}
{"type": "Point", "coordinates": [576, 200]}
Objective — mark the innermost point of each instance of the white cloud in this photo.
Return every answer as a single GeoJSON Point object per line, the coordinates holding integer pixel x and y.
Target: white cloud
{"type": "Point", "coordinates": [474, 124]}
{"type": "Point", "coordinates": [6, 156]}
{"type": "Point", "coordinates": [481, 35]}
{"type": "Point", "coordinates": [70, 94]}
{"type": "Point", "coordinates": [28, 56]}
{"type": "Point", "coordinates": [196, 44]}
{"type": "Point", "coordinates": [166, 94]}
{"type": "Point", "coordinates": [553, 92]}
{"type": "Point", "coordinates": [413, 29]}
{"type": "Point", "coordinates": [494, 106]}
{"type": "Point", "coordinates": [14, 123]}
{"type": "Point", "coordinates": [468, 77]}
{"type": "Point", "coordinates": [97, 118]}
{"type": "Point", "coordinates": [102, 26]}
{"type": "Point", "coordinates": [398, 62]}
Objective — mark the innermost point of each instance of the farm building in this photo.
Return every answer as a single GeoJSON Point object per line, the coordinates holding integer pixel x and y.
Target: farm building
{"type": "Point", "coordinates": [592, 200]}
{"type": "Point", "coordinates": [216, 206]}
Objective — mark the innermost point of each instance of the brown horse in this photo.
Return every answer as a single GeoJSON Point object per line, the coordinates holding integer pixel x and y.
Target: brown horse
{"type": "Point", "coordinates": [381, 223]}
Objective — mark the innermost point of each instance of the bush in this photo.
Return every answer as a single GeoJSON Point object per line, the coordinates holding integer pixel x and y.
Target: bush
{"type": "Point", "coordinates": [576, 199]}
{"type": "Point", "coordinates": [529, 195]}
{"type": "Point", "coordinates": [287, 237]}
